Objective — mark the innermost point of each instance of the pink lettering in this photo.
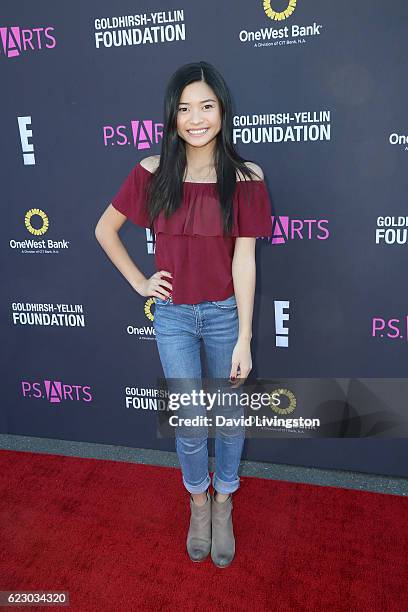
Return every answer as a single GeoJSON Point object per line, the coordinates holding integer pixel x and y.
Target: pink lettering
{"type": "Point", "coordinates": [309, 223]}
{"type": "Point", "coordinates": [121, 131]}
{"type": "Point", "coordinates": [53, 390]}
{"type": "Point", "coordinates": [87, 394]}
{"type": "Point", "coordinates": [326, 232]}
{"type": "Point", "coordinates": [38, 31]}
{"type": "Point", "coordinates": [27, 36]}
{"type": "Point", "coordinates": [378, 326]}
{"type": "Point", "coordinates": [108, 133]}
{"type": "Point", "coordinates": [394, 327]}
{"type": "Point", "coordinates": [68, 392]}
{"type": "Point", "coordinates": [16, 40]}
{"type": "Point", "coordinates": [50, 37]}
{"type": "Point", "coordinates": [281, 222]}
{"type": "Point", "coordinates": [10, 37]}
{"type": "Point", "coordinates": [142, 134]}
{"type": "Point", "coordinates": [26, 387]}
{"type": "Point", "coordinates": [295, 229]}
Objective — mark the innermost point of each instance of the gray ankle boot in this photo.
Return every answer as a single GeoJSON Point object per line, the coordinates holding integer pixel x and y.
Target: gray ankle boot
{"type": "Point", "coordinates": [199, 533]}
{"type": "Point", "coordinates": [223, 541]}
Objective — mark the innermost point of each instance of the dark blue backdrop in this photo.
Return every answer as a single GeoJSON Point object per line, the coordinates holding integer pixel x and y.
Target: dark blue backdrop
{"type": "Point", "coordinates": [321, 109]}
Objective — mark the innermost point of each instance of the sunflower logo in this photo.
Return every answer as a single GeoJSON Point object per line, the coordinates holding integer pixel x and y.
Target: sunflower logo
{"type": "Point", "coordinates": [292, 402]}
{"type": "Point", "coordinates": [148, 308]}
{"type": "Point", "coordinates": [45, 223]}
{"type": "Point", "coordinates": [279, 15]}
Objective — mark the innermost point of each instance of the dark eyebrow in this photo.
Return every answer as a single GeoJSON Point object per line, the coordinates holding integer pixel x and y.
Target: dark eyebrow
{"type": "Point", "coordinates": [202, 101]}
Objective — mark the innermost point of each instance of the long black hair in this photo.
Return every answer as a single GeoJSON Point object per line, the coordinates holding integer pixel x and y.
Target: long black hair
{"type": "Point", "coordinates": [166, 185]}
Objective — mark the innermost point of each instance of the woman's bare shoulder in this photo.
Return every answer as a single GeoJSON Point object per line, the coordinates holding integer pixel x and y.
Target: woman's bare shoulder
{"type": "Point", "coordinates": [150, 163]}
{"type": "Point", "coordinates": [255, 168]}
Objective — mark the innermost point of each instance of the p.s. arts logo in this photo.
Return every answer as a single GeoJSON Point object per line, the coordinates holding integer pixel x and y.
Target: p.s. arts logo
{"type": "Point", "coordinates": [140, 134]}
{"type": "Point", "coordinates": [390, 328]}
{"type": "Point", "coordinates": [290, 401]}
{"type": "Point", "coordinates": [44, 223]}
{"type": "Point", "coordinates": [279, 15]}
{"type": "Point", "coordinates": [285, 229]}
{"type": "Point", "coordinates": [55, 391]}
{"type": "Point", "coordinates": [16, 40]}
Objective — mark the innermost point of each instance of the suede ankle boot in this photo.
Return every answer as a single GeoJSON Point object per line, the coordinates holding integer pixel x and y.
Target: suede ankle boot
{"type": "Point", "coordinates": [223, 540]}
{"type": "Point", "coordinates": [199, 533]}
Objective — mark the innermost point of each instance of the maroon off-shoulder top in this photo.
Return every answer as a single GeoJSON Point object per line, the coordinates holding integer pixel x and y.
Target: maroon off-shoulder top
{"type": "Point", "coordinates": [190, 244]}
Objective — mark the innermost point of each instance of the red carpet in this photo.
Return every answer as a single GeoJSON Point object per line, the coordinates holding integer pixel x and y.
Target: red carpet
{"type": "Point", "coordinates": [113, 535]}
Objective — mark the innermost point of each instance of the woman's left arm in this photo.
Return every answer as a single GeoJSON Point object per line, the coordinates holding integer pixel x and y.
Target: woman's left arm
{"type": "Point", "coordinates": [244, 278]}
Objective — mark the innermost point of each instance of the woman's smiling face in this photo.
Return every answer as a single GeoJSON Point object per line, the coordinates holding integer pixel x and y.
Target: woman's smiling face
{"type": "Point", "coordinates": [199, 114]}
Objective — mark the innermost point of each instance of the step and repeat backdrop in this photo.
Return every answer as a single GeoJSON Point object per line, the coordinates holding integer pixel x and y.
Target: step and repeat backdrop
{"type": "Point", "coordinates": [320, 98]}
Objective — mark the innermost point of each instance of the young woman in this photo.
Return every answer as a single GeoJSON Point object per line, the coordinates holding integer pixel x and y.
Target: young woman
{"type": "Point", "coordinates": [206, 205]}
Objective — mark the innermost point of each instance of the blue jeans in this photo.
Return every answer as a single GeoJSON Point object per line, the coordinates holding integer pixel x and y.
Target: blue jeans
{"type": "Point", "coordinates": [180, 331]}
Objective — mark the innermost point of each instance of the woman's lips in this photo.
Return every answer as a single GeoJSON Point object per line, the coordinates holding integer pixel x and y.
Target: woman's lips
{"type": "Point", "coordinates": [200, 133]}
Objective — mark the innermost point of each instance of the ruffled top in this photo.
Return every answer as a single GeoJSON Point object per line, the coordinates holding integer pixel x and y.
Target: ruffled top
{"type": "Point", "coordinates": [193, 235]}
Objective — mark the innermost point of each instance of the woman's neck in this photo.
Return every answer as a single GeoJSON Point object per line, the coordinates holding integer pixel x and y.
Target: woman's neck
{"type": "Point", "coordinates": [200, 160]}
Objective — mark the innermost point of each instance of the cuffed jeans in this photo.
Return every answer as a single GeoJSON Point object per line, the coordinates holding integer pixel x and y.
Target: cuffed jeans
{"type": "Point", "coordinates": [180, 331]}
